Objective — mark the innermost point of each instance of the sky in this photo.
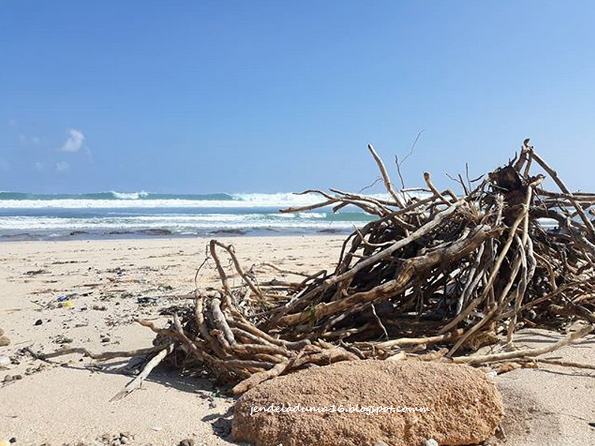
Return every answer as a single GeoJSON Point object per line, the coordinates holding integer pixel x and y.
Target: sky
{"type": "Point", "coordinates": [279, 96]}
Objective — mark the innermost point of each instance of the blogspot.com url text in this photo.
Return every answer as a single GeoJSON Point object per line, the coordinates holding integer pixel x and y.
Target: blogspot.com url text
{"type": "Point", "coordinates": [349, 408]}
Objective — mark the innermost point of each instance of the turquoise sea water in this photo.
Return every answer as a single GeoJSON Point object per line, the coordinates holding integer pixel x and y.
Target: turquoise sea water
{"type": "Point", "coordinates": [25, 216]}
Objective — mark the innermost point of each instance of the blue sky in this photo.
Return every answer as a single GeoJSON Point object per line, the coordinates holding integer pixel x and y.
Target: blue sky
{"type": "Point", "coordinates": [269, 96]}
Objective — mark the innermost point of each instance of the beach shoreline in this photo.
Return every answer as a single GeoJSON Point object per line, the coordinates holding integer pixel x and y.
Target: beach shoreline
{"type": "Point", "coordinates": [166, 234]}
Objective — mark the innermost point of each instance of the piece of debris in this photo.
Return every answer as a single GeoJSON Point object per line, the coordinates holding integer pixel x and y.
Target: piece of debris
{"type": "Point", "coordinates": [62, 339]}
{"type": "Point", "coordinates": [221, 426]}
{"type": "Point", "coordinates": [36, 272]}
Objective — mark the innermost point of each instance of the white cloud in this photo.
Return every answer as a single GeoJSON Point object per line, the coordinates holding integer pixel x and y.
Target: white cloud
{"type": "Point", "coordinates": [75, 141]}
{"type": "Point", "coordinates": [62, 166]}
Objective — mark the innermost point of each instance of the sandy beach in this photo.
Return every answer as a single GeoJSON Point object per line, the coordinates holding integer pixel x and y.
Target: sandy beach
{"type": "Point", "coordinates": [88, 294]}
{"type": "Point", "coordinates": [307, 223]}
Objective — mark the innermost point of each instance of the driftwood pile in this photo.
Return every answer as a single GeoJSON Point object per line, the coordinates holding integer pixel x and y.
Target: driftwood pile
{"type": "Point", "coordinates": [435, 275]}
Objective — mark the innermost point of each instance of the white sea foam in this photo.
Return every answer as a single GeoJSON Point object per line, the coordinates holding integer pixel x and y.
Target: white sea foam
{"type": "Point", "coordinates": [129, 195]}
{"type": "Point", "coordinates": [144, 199]}
{"type": "Point", "coordinates": [178, 223]}
{"type": "Point", "coordinates": [132, 200]}
{"type": "Point", "coordinates": [311, 215]}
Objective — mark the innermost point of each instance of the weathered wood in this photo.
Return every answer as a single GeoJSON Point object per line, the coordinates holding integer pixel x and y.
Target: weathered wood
{"type": "Point", "coordinates": [430, 276]}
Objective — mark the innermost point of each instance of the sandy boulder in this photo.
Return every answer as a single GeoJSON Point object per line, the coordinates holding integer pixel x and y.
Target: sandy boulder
{"type": "Point", "coordinates": [464, 406]}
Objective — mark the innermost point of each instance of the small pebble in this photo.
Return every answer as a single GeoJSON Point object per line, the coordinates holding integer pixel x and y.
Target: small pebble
{"type": "Point", "coordinates": [187, 442]}
{"type": "Point", "coordinates": [431, 442]}
{"type": "Point", "coordinates": [7, 379]}
{"type": "Point", "coordinates": [4, 341]}
{"type": "Point", "coordinates": [38, 322]}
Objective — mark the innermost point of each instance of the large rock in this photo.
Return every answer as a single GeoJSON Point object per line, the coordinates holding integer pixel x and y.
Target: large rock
{"type": "Point", "coordinates": [464, 406]}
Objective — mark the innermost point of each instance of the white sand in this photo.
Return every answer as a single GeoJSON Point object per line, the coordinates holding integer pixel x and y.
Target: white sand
{"type": "Point", "coordinates": [69, 404]}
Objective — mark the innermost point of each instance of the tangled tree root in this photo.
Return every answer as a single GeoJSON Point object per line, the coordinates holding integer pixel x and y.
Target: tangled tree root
{"type": "Point", "coordinates": [444, 272]}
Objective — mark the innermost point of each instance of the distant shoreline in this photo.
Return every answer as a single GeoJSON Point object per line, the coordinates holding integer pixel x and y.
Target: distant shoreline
{"type": "Point", "coordinates": [157, 233]}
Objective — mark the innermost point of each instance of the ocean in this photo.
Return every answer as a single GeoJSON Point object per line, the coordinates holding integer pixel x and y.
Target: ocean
{"type": "Point", "coordinates": [26, 216]}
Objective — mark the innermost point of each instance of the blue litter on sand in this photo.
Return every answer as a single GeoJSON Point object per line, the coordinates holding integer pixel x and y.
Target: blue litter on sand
{"type": "Point", "coordinates": [62, 298]}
